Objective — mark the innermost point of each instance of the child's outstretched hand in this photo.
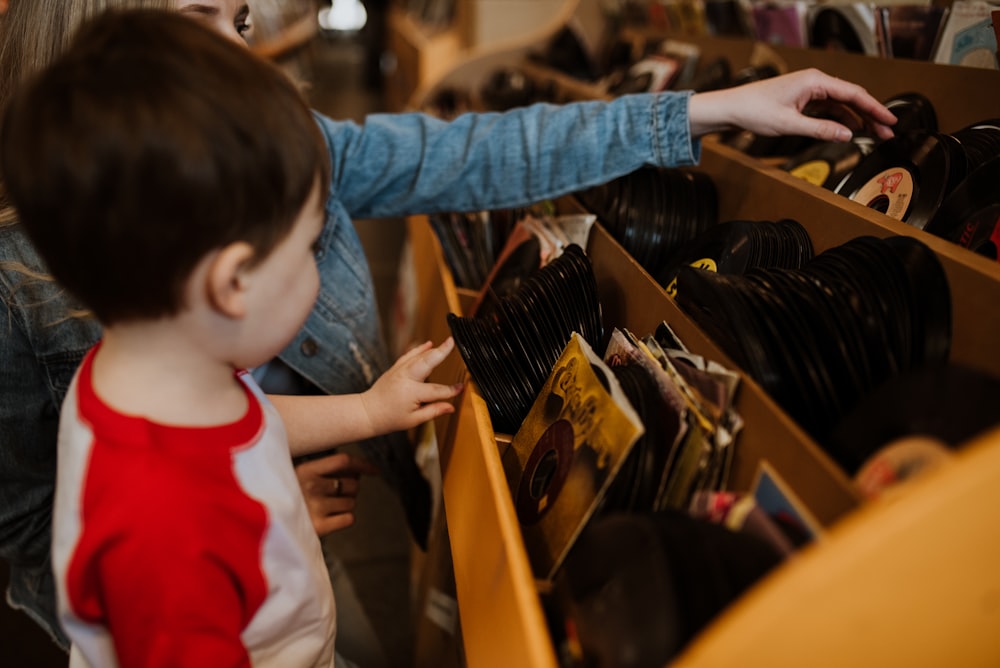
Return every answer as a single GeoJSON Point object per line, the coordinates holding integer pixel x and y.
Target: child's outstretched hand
{"type": "Point", "coordinates": [401, 398]}
{"type": "Point", "coordinates": [773, 106]}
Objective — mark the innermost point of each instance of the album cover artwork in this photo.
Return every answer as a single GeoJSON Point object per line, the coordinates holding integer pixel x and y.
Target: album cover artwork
{"type": "Point", "coordinates": [566, 453]}
{"type": "Point", "coordinates": [777, 499]}
{"type": "Point", "coordinates": [781, 24]}
{"type": "Point", "coordinates": [909, 31]}
{"type": "Point", "coordinates": [968, 37]}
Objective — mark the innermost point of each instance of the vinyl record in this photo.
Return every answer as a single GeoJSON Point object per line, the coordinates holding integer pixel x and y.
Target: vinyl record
{"type": "Point", "coordinates": [898, 461]}
{"type": "Point", "coordinates": [819, 338]}
{"type": "Point", "coordinates": [914, 112]}
{"type": "Point", "coordinates": [545, 472]}
{"type": "Point", "coordinates": [948, 402]}
{"type": "Point", "coordinates": [510, 351]}
{"type": "Point", "coordinates": [643, 585]}
{"type": "Point", "coordinates": [907, 177]}
{"type": "Point", "coordinates": [825, 164]}
{"type": "Point", "coordinates": [970, 215]}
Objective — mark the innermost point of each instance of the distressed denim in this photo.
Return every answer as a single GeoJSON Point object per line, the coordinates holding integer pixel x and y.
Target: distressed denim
{"type": "Point", "coordinates": [392, 165]}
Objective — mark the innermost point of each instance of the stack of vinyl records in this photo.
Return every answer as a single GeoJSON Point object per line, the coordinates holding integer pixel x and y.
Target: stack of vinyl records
{"type": "Point", "coordinates": [510, 352]}
{"type": "Point", "coordinates": [909, 176]}
{"type": "Point", "coordinates": [736, 246]}
{"type": "Point", "coordinates": [970, 215]}
{"type": "Point", "coordinates": [472, 241]}
{"type": "Point", "coordinates": [946, 403]}
{"type": "Point", "coordinates": [820, 338]}
{"type": "Point", "coordinates": [829, 163]}
{"type": "Point", "coordinates": [652, 211]}
{"type": "Point", "coordinates": [638, 588]}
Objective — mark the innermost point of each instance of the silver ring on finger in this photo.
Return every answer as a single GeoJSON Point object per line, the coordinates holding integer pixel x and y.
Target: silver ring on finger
{"type": "Point", "coordinates": [338, 485]}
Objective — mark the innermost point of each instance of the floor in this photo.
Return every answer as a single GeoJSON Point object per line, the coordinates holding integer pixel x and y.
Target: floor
{"type": "Point", "coordinates": [376, 551]}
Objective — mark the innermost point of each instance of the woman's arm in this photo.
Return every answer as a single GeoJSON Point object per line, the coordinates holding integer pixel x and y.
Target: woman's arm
{"type": "Point", "coordinates": [399, 164]}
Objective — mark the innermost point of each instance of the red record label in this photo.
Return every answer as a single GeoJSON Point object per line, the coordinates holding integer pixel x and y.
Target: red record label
{"type": "Point", "coordinates": [890, 191]}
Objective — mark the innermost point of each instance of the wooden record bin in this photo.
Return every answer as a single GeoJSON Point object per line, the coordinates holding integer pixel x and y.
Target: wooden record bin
{"type": "Point", "coordinates": [908, 579]}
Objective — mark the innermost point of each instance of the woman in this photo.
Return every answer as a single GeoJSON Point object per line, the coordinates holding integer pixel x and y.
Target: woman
{"type": "Point", "coordinates": [392, 165]}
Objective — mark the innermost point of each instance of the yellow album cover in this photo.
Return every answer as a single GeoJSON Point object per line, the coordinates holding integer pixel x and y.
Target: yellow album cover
{"type": "Point", "coordinates": [566, 453]}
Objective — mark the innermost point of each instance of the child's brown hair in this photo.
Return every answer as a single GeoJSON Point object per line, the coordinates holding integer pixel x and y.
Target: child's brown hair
{"type": "Point", "coordinates": [145, 146]}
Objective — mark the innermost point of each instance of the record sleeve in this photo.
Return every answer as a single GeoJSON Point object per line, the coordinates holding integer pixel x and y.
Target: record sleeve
{"type": "Point", "coordinates": [843, 27]}
{"type": "Point", "coordinates": [781, 24]}
{"type": "Point", "coordinates": [561, 461]}
{"type": "Point", "coordinates": [909, 31]}
{"type": "Point", "coordinates": [967, 37]}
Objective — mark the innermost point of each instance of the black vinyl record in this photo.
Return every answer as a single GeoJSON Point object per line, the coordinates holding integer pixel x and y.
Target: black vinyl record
{"type": "Point", "coordinates": [970, 215]}
{"type": "Point", "coordinates": [913, 111]}
{"type": "Point", "coordinates": [510, 351]}
{"type": "Point", "coordinates": [948, 402]}
{"type": "Point", "coordinates": [825, 164]}
{"type": "Point", "coordinates": [642, 585]}
{"type": "Point", "coordinates": [735, 246]}
{"type": "Point", "coordinates": [819, 338]}
{"type": "Point", "coordinates": [907, 177]}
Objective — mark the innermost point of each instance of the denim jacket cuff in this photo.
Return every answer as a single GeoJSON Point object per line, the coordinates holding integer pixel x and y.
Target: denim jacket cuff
{"type": "Point", "coordinates": [673, 144]}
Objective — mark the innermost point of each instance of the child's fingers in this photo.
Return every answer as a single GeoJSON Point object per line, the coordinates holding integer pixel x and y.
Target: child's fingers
{"type": "Point", "coordinates": [429, 359]}
{"type": "Point", "coordinates": [430, 392]}
{"type": "Point", "coordinates": [415, 351]}
{"type": "Point", "coordinates": [435, 355]}
{"type": "Point", "coordinates": [428, 412]}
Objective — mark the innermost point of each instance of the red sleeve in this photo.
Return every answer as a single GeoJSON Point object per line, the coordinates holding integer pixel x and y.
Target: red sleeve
{"type": "Point", "coordinates": [179, 608]}
{"type": "Point", "coordinates": [169, 562]}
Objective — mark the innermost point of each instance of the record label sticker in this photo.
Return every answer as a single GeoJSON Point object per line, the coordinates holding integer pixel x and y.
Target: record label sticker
{"type": "Point", "coordinates": [890, 191]}
{"type": "Point", "coordinates": [704, 263]}
{"type": "Point", "coordinates": [815, 172]}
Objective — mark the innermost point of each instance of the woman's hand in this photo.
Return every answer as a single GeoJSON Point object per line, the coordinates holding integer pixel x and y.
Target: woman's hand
{"type": "Point", "coordinates": [330, 486]}
{"type": "Point", "coordinates": [402, 398]}
{"type": "Point", "coordinates": [774, 106]}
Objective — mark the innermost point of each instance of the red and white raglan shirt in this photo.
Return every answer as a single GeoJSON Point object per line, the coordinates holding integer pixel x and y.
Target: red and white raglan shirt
{"type": "Point", "coordinates": [185, 546]}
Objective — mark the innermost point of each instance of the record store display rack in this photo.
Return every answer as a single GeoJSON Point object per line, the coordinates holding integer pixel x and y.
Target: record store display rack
{"type": "Point", "coordinates": [908, 579]}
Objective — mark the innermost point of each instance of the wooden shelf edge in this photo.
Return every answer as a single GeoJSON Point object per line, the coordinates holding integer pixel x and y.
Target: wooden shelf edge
{"type": "Point", "coordinates": [499, 606]}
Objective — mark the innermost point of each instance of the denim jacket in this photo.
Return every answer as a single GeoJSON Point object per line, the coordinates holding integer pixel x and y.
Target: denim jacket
{"type": "Point", "coordinates": [392, 165]}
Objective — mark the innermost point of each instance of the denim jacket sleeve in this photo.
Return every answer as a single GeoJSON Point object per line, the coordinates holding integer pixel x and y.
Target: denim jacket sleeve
{"type": "Point", "coordinates": [400, 164]}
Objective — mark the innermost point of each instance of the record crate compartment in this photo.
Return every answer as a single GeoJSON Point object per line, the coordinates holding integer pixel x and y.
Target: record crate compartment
{"type": "Point", "coordinates": [904, 580]}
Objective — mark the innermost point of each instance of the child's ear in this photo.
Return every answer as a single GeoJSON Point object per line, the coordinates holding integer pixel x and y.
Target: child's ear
{"type": "Point", "coordinates": [228, 278]}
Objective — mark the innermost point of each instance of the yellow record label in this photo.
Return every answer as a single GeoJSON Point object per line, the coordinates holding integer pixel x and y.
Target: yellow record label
{"type": "Point", "coordinates": [704, 263]}
{"type": "Point", "coordinates": [889, 191]}
{"type": "Point", "coordinates": [815, 172]}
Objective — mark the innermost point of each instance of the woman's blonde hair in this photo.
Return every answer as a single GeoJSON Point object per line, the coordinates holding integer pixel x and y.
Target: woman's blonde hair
{"type": "Point", "coordinates": [33, 33]}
